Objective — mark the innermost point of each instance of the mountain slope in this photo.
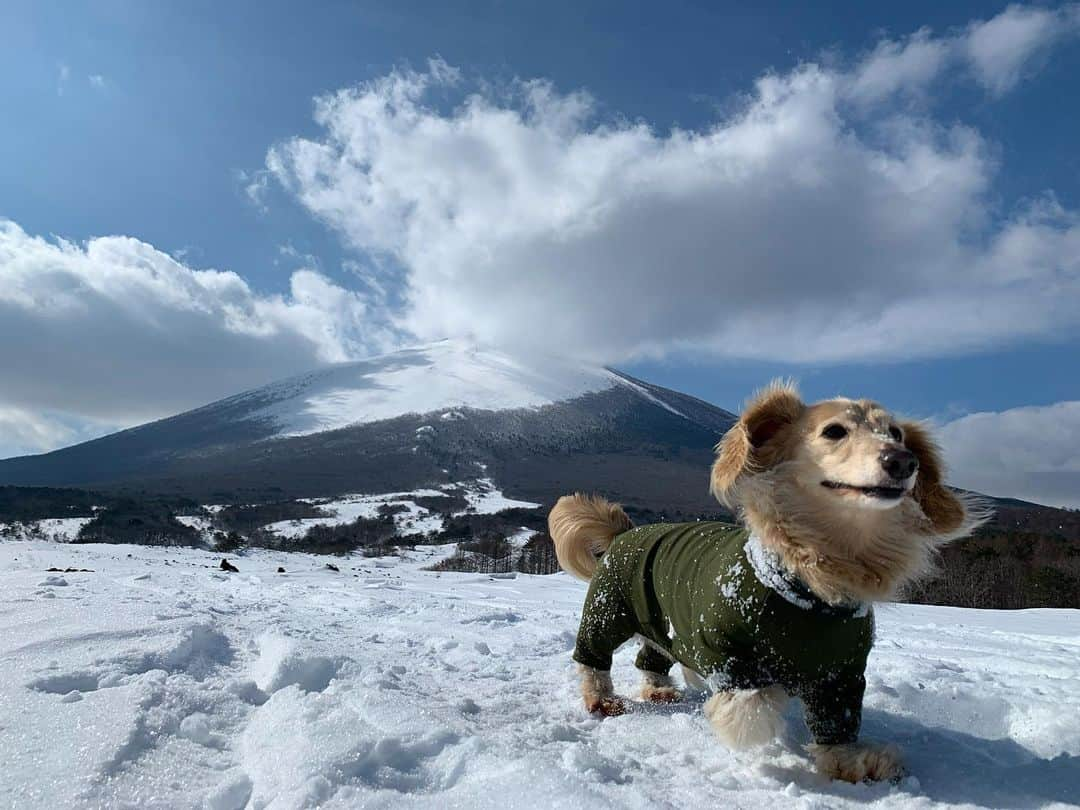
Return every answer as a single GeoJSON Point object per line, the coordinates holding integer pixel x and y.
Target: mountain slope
{"type": "Point", "coordinates": [423, 416]}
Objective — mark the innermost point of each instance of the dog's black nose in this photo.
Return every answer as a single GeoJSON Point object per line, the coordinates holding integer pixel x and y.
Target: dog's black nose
{"type": "Point", "coordinates": [898, 462]}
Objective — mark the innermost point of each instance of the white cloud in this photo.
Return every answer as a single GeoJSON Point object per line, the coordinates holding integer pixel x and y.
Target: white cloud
{"type": "Point", "coordinates": [790, 231]}
{"type": "Point", "coordinates": [997, 53]}
{"type": "Point", "coordinates": [1004, 49]}
{"type": "Point", "coordinates": [1031, 453]}
{"type": "Point", "coordinates": [907, 66]}
{"type": "Point", "coordinates": [96, 80]}
{"type": "Point", "coordinates": [63, 73]}
{"type": "Point", "coordinates": [117, 331]}
{"type": "Point", "coordinates": [255, 186]}
{"type": "Point", "coordinates": [31, 431]}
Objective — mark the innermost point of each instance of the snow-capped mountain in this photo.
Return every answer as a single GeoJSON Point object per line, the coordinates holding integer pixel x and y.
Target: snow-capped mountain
{"type": "Point", "coordinates": [444, 376]}
{"type": "Point", "coordinates": [423, 416]}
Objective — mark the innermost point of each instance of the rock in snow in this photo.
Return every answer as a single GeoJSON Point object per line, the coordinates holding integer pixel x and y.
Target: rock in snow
{"type": "Point", "coordinates": [406, 688]}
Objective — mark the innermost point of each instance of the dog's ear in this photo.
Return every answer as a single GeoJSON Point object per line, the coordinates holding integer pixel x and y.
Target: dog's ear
{"type": "Point", "coordinates": [751, 443]}
{"type": "Point", "coordinates": [944, 509]}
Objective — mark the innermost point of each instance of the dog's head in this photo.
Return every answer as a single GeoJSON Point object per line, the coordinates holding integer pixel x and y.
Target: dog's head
{"type": "Point", "coordinates": [845, 456]}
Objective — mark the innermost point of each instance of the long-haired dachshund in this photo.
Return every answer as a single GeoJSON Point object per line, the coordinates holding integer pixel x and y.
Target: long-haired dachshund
{"type": "Point", "coordinates": [840, 505]}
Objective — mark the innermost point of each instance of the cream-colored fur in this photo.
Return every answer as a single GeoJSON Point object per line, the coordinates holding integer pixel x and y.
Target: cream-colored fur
{"type": "Point", "coordinates": [858, 762]}
{"type": "Point", "coordinates": [817, 502]}
{"type": "Point", "coordinates": [864, 556]}
{"type": "Point", "coordinates": [582, 527]}
{"type": "Point", "coordinates": [745, 718]}
{"type": "Point", "coordinates": [846, 547]}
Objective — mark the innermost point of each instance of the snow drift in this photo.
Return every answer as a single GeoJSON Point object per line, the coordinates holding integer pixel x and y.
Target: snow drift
{"type": "Point", "coordinates": [155, 680]}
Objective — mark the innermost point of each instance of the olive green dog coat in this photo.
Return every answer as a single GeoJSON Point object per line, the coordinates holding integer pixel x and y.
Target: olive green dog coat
{"type": "Point", "coordinates": [711, 597]}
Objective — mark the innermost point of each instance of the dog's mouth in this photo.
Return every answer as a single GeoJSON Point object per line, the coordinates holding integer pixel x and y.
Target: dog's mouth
{"type": "Point", "coordinates": [878, 493]}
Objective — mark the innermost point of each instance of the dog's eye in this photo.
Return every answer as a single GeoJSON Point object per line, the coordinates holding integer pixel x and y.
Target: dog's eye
{"type": "Point", "coordinates": [895, 432]}
{"type": "Point", "coordinates": [834, 431]}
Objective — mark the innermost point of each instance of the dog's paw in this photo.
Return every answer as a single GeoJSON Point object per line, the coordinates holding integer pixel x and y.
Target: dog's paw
{"type": "Point", "coordinates": [859, 762]}
{"type": "Point", "coordinates": [660, 694]}
{"type": "Point", "coordinates": [609, 706]}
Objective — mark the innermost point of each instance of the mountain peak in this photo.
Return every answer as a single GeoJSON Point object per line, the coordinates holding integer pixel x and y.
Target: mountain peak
{"type": "Point", "coordinates": [441, 376]}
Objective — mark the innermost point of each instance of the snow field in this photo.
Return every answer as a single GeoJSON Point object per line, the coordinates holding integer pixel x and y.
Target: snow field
{"type": "Point", "coordinates": [60, 530]}
{"type": "Point", "coordinates": [158, 681]}
{"type": "Point", "coordinates": [485, 498]}
{"type": "Point", "coordinates": [349, 508]}
{"type": "Point", "coordinates": [482, 495]}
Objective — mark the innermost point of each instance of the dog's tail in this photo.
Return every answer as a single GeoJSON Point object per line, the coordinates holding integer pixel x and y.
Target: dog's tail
{"type": "Point", "coordinates": [583, 527]}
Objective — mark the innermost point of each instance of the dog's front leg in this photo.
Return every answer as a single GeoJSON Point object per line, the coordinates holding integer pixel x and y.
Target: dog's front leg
{"type": "Point", "coordinates": [834, 713]}
{"type": "Point", "coordinates": [858, 761]}
{"type": "Point", "coordinates": [654, 665]}
{"type": "Point", "coordinates": [599, 692]}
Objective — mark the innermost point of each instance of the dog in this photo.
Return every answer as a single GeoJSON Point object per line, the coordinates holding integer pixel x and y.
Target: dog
{"type": "Point", "coordinates": [840, 505]}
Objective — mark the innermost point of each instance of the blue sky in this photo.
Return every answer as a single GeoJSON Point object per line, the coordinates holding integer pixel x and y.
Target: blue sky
{"type": "Point", "coordinates": [189, 127]}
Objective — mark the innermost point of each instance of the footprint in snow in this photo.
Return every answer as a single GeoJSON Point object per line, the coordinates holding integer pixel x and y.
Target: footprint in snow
{"type": "Point", "coordinates": [282, 664]}
{"type": "Point", "coordinates": [579, 759]}
{"type": "Point", "coordinates": [425, 765]}
{"type": "Point", "coordinates": [197, 652]}
{"type": "Point", "coordinates": [66, 685]}
{"type": "Point", "coordinates": [494, 617]}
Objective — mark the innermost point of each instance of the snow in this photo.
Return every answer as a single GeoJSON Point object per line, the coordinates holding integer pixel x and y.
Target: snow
{"type": "Point", "coordinates": [349, 508]}
{"type": "Point", "coordinates": [522, 536]}
{"type": "Point", "coordinates": [770, 572]}
{"type": "Point", "coordinates": [200, 523]}
{"type": "Point", "coordinates": [60, 530]}
{"type": "Point", "coordinates": [485, 498]}
{"type": "Point", "coordinates": [643, 391]}
{"type": "Point", "coordinates": [156, 680]}
{"type": "Point", "coordinates": [439, 377]}
{"type": "Point", "coordinates": [446, 379]}
{"type": "Point", "coordinates": [63, 529]}
{"type": "Point", "coordinates": [482, 495]}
